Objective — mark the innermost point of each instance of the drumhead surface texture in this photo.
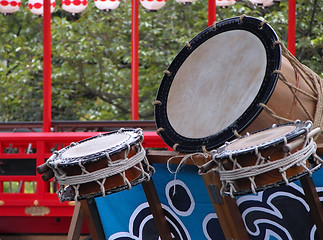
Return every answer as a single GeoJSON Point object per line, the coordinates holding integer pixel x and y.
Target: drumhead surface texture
{"type": "Point", "coordinates": [195, 93]}
{"type": "Point", "coordinates": [215, 84]}
{"type": "Point", "coordinates": [260, 138]}
{"type": "Point", "coordinates": [263, 139]}
{"type": "Point", "coordinates": [96, 148]}
{"type": "Point", "coordinates": [95, 145]}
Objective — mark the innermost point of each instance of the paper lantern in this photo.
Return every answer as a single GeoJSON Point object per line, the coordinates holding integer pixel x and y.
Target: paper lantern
{"type": "Point", "coordinates": [107, 4]}
{"type": "Point", "coordinates": [268, 3]}
{"type": "Point", "coordinates": [153, 5]}
{"type": "Point", "coordinates": [9, 6]}
{"type": "Point", "coordinates": [36, 6]}
{"type": "Point", "coordinates": [74, 6]}
{"type": "Point", "coordinates": [262, 3]}
{"type": "Point", "coordinates": [225, 3]}
{"type": "Point", "coordinates": [185, 1]}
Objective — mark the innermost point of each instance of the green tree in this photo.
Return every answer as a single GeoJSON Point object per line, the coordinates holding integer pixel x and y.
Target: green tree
{"type": "Point", "coordinates": [91, 55]}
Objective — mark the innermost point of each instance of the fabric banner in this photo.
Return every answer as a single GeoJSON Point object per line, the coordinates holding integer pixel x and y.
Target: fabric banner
{"type": "Point", "coordinates": [275, 214]}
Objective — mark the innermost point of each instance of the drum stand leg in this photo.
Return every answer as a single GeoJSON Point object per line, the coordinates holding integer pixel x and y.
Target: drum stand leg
{"type": "Point", "coordinates": [226, 209]}
{"type": "Point", "coordinates": [86, 209]}
{"type": "Point", "coordinates": [157, 210]}
{"type": "Point", "coordinates": [74, 231]}
{"type": "Point", "coordinates": [313, 201]}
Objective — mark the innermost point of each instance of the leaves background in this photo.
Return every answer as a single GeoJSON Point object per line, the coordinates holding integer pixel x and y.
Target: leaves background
{"type": "Point", "coordinates": [91, 55]}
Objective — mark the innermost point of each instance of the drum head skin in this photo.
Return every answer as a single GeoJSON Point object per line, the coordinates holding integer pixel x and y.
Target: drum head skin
{"type": "Point", "coordinates": [215, 84]}
{"type": "Point", "coordinates": [263, 139]}
{"type": "Point", "coordinates": [96, 148]}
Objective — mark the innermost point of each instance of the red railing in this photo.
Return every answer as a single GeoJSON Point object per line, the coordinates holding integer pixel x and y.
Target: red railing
{"type": "Point", "coordinates": [24, 196]}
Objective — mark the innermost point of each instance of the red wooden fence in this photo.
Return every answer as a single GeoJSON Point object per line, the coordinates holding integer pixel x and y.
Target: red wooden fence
{"type": "Point", "coordinates": [27, 203]}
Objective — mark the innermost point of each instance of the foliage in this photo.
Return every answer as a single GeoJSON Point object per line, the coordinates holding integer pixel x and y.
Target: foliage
{"type": "Point", "coordinates": [91, 55]}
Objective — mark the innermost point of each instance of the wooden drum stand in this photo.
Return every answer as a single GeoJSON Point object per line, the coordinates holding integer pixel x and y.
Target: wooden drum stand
{"type": "Point", "coordinates": [87, 209]}
{"type": "Point", "coordinates": [225, 207]}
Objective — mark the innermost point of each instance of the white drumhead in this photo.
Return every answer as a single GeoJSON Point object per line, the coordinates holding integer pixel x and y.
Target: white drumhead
{"type": "Point", "coordinates": [216, 84]}
{"type": "Point", "coordinates": [260, 138]}
{"type": "Point", "coordinates": [95, 145]}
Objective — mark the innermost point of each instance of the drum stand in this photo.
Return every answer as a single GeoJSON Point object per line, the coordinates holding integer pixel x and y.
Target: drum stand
{"type": "Point", "coordinates": [314, 203]}
{"type": "Point", "coordinates": [225, 207]}
{"type": "Point", "coordinates": [87, 209]}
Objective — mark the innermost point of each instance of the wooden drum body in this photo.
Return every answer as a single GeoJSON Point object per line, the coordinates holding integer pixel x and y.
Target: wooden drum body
{"type": "Point", "coordinates": [259, 160]}
{"type": "Point", "coordinates": [101, 165]}
{"type": "Point", "coordinates": [231, 78]}
{"type": "Point", "coordinates": [287, 99]}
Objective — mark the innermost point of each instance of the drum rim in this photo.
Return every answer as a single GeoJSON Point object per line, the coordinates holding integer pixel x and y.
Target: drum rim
{"type": "Point", "coordinates": [134, 137]}
{"type": "Point", "coordinates": [184, 144]}
{"type": "Point", "coordinates": [301, 127]}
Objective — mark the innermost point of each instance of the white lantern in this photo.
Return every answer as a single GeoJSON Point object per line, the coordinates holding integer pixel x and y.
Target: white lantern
{"type": "Point", "coordinates": [74, 6]}
{"type": "Point", "coordinates": [37, 6]}
{"type": "Point", "coordinates": [262, 3]}
{"type": "Point", "coordinates": [185, 1]}
{"type": "Point", "coordinates": [268, 3]}
{"type": "Point", "coordinates": [225, 3]}
{"type": "Point", "coordinates": [153, 5]}
{"type": "Point", "coordinates": [9, 6]}
{"type": "Point", "coordinates": [107, 4]}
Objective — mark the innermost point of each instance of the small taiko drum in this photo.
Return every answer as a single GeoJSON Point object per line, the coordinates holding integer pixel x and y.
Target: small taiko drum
{"type": "Point", "coordinates": [104, 164]}
{"type": "Point", "coordinates": [266, 158]}
{"type": "Point", "coordinates": [233, 77]}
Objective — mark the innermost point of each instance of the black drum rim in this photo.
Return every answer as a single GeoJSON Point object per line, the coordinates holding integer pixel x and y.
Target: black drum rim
{"type": "Point", "coordinates": [273, 53]}
{"type": "Point", "coordinates": [301, 127]}
{"type": "Point", "coordinates": [134, 136]}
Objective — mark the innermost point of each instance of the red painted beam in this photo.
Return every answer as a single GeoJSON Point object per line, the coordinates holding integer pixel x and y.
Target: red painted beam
{"type": "Point", "coordinates": [134, 60]}
{"type": "Point", "coordinates": [211, 12]}
{"type": "Point", "coordinates": [291, 26]}
{"type": "Point", "coordinates": [151, 139]}
{"type": "Point", "coordinates": [47, 96]}
{"type": "Point", "coordinates": [37, 225]}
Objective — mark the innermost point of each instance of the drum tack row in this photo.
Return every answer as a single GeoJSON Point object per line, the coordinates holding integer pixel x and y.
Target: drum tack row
{"type": "Point", "coordinates": [235, 103]}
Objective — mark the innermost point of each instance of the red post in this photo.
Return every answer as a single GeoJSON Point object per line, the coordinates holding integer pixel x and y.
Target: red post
{"type": "Point", "coordinates": [134, 59]}
{"type": "Point", "coordinates": [47, 96]}
{"type": "Point", "coordinates": [211, 12]}
{"type": "Point", "coordinates": [291, 26]}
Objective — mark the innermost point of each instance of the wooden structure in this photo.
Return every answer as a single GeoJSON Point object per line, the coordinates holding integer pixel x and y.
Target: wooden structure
{"type": "Point", "coordinates": [225, 207]}
{"type": "Point", "coordinates": [50, 215]}
{"type": "Point", "coordinates": [77, 126]}
{"type": "Point", "coordinates": [86, 209]}
{"type": "Point", "coordinates": [23, 193]}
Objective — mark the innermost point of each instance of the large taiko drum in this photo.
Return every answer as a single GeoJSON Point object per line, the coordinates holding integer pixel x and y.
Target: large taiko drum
{"type": "Point", "coordinates": [233, 77]}
{"type": "Point", "coordinates": [267, 158]}
{"type": "Point", "coordinates": [101, 165]}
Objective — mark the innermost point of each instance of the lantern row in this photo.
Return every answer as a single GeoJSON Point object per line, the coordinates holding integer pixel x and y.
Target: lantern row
{"type": "Point", "coordinates": [77, 6]}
